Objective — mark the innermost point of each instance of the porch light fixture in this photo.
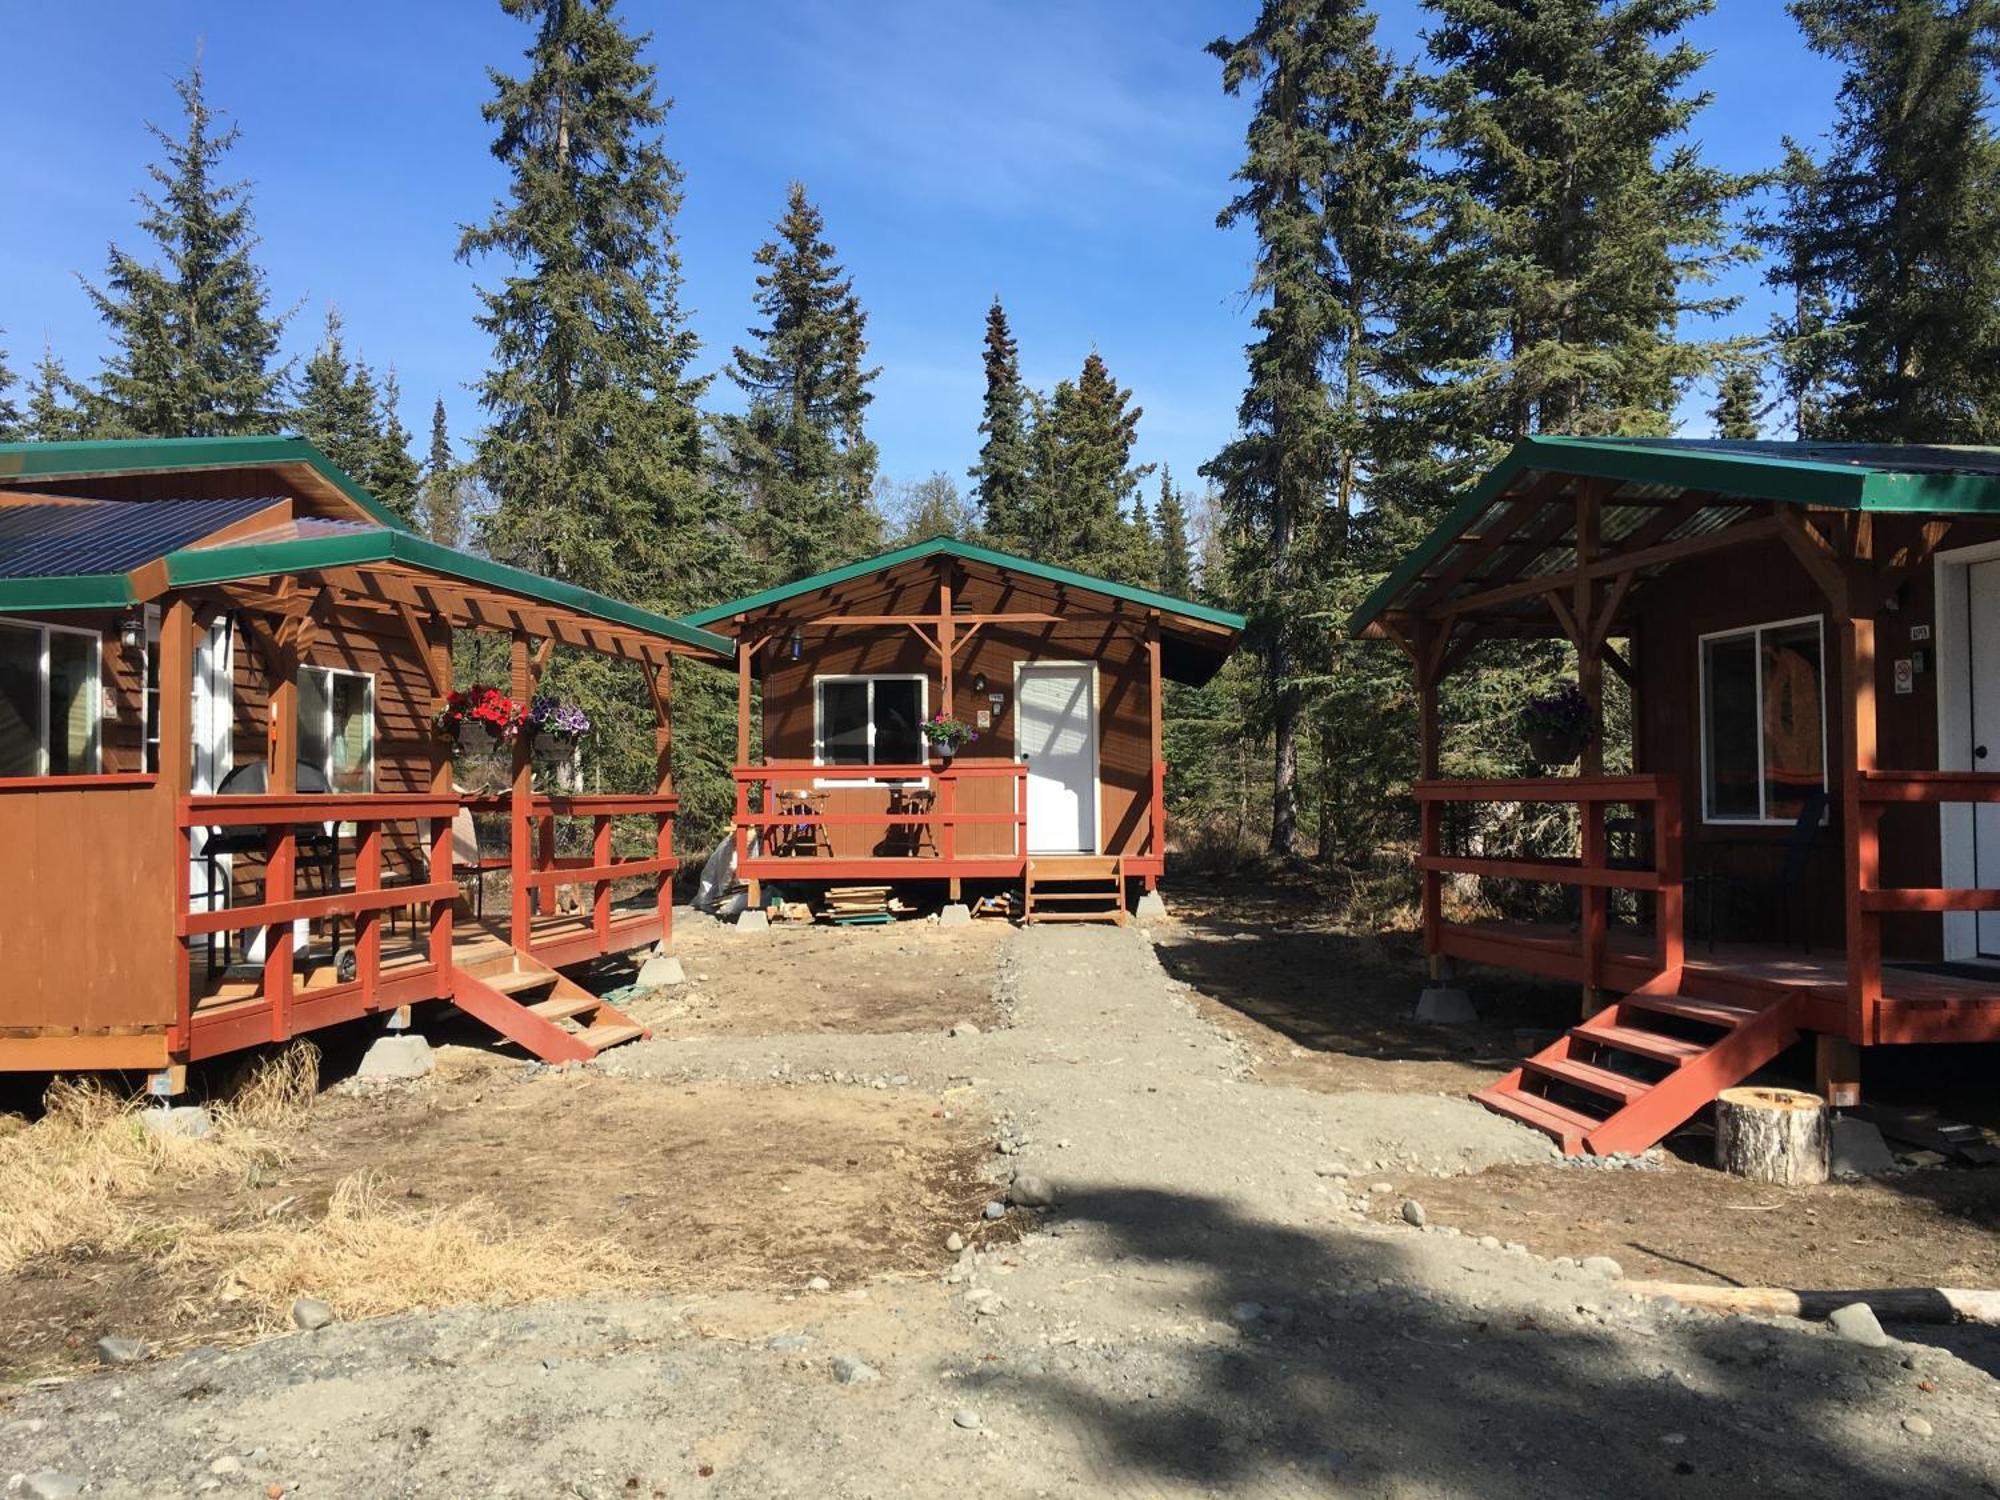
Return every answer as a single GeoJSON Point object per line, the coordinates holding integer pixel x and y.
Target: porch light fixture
{"type": "Point", "coordinates": [795, 643]}
{"type": "Point", "coordinates": [979, 682]}
{"type": "Point", "coordinates": [132, 630]}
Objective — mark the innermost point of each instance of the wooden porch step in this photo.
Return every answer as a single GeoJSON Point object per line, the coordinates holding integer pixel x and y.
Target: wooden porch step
{"type": "Point", "coordinates": [1588, 1076]}
{"type": "Point", "coordinates": [513, 981]}
{"type": "Point", "coordinates": [610, 1034]}
{"type": "Point", "coordinates": [1100, 897]}
{"type": "Point", "coordinates": [1642, 1112]}
{"type": "Point", "coordinates": [1714, 1012]}
{"type": "Point", "coordinates": [1656, 1045]}
{"type": "Point", "coordinates": [562, 1007]}
{"type": "Point", "coordinates": [1076, 866]}
{"type": "Point", "coordinates": [1077, 916]}
{"type": "Point", "coordinates": [1568, 1126]}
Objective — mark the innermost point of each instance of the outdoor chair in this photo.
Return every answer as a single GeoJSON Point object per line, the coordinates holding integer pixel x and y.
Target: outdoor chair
{"type": "Point", "coordinates": [909, 840]}
{"type": "Point", "coordinates": [318, 845]}
{"type": "Point", "coordinates": [1789, 891]}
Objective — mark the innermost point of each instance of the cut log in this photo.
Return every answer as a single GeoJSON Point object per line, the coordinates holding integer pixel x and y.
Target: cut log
{"type": "Point", "coordinates": [1771, 1135]}
{"type": "Point", "coordinates": [1902, 1304]}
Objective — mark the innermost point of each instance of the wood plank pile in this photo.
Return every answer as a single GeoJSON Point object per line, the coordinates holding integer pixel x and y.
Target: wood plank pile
{"type": "Point", "coordinates": [854, 905]}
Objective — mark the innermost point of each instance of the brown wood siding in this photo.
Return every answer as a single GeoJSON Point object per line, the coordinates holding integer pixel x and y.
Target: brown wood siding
{"type": "Point", "coordinates": [86, 893]}
{"type": "Point", "coordinates": [1755, 585]}
{"type": "Point", "coordinates": [1123, 712]}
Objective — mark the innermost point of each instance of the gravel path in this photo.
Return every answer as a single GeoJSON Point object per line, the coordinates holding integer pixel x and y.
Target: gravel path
{"type": "Point", "coordinates": [1204, 1313]}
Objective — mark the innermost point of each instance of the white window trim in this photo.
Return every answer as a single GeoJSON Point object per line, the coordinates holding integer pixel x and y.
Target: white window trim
{"type": "Point", "coordinates": [1708, 816]}
{"type": "Point", "coordinates": [367, 677]}
{"type": "Point", "coordinates": [819, 728]}
{"type": "Point", "coordinates": [43, 631]}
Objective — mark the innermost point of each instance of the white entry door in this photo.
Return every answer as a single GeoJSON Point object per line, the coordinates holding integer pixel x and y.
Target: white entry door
{"type": "Point", "coordinates": [1055, 732]}
{"type": "Point", "coordinates": [1983, 696]}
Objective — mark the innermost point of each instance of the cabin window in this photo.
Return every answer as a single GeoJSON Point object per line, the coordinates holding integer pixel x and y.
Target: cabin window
{"type": "Point", "coordinates": [1763, 721]}
{"type": "Point", "coordinates": [868, 721]}
{"type": "Point", "coordinates": [337, 727]}
{"type": "Point", "coordinates": [51, 701]}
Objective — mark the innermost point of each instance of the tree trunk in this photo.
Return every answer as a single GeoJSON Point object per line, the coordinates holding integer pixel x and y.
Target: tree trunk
{"type": "Point", "coordinates": [1904, 1304]}
{"type": "Point", "coordinates": [1771, 1135]}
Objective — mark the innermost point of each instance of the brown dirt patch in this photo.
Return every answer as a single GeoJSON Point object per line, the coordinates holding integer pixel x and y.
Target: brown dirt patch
{"type": "Point", "coordinates": [1324, 1006]}
{"type": "Point", "coordinates": [705, 1188]}
{"type": "Point", "coordinates": [1692, 1223]}
{"type": "Point", "coordinates": [911, 976]}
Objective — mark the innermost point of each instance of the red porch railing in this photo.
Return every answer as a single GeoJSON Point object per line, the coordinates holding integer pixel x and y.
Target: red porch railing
{"type": "Point", "coordinates": [1591, 871]}
{"type": "Point", "coordinates": [944, 821]}
{"type": "Point", "coordinates": [276, 1010]}
{"type": "Point", "coordinates": [1868, 900]}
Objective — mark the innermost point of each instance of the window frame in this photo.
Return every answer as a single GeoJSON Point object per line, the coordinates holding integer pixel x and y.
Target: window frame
{"type": "Point", "coordinates": [1755, 632]}
{"type": "Point", "coordinates": [923, 683]}
{"type": "Point", "coordinates": [42, 630]}
{"type": "Point", "coordinates": [326, 770]}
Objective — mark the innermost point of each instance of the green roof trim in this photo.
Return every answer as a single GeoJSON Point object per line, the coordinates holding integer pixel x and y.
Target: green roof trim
{"type": "Point", "coordinates": [165, 455]}
{"type": "Point", "coordinates": [1868, 478]}
{"type": "Point", "coordinates": [72, 591]}
{"type": "Point", "coordinates": [198, 565]}
{"type": "Point", "coordinates": [969, 552]}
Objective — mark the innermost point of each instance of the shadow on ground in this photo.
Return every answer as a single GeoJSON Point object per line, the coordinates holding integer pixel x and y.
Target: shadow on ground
{"type": "Point", "coordinates": [1368, 1385]}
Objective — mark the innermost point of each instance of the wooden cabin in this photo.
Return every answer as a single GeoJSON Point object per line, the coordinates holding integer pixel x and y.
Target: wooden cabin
{"type": "Point", "coordinates": [1806, 843]}
{"type": "Point", "coordinates": [227, 813]}
{"type": "Point", "coordinates": [1060, 676]}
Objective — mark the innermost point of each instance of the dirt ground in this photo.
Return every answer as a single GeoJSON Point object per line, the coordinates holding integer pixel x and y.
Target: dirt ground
{"type": "Point", "coordinates": [913, 976]}
{"type": "Point", "coordinates": [707, 1187]}
{"type": "Point", "coordinates": [1321, 1007]}
{"type": "Point", "coordinates": [1224, 1297]}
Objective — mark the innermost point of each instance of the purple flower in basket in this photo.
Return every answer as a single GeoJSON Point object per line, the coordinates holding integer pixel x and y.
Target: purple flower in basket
{"type": "Point", "coordinates": [560, 721]}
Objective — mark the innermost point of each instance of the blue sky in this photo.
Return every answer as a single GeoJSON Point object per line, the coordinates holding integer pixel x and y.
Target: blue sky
{"type": "Point", "coordinates": [1069, 156]}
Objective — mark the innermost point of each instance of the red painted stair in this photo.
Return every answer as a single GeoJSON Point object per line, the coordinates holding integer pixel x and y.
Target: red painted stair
{"type": "Point", "coordinates": [528, 1002]}
{"type": "Point", "coordinates": [1641, 1067]}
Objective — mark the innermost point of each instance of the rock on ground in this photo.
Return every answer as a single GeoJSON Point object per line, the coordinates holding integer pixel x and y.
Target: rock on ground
{"type": "Point", "coordinates": [396, 1059]}
{"type": "Point", "coordinates": [1858, 1324]}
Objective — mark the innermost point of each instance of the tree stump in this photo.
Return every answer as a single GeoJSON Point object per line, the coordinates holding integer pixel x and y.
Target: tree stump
{"type": "Point", "coordinates": [1771, 1135]}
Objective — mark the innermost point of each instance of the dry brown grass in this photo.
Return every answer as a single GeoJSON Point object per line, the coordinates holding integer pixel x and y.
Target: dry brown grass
{"type": "Point", "coordinates": [62, 1178]}
{"type": "Point", "coordinates": [90, 1174]}
{"type": "Point", "coordinates": [369, 1256]}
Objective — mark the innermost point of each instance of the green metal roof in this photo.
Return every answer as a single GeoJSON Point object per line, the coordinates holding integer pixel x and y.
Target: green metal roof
{"type": "Point", "coordinates": [50, 461]}
{"type": "Point", "coordinates": [193, 566]}
{"type": "Point", "coordinates": [1744, 475]}
{"type": "Point", "coordinates": [973, 553]}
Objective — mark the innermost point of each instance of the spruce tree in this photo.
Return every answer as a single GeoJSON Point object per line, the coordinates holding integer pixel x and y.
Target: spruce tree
{"type": "Point", "coordinates": [58, 408]}
{"type": "Point", "coordinates": [334, 403]}
{"type": "Point", "coordinates": [1176, 560]}
{"type": "Point", "coordinates": [1804, 333]}
{"type": "Point", "coordinates": [1002, 470]}
{"type": "Point", "coordinates": [1580, 224]}
{"type": "Point", "coordinates": [393, 475]}
{"type": "Point", "coordinates": [194, 343]}
{"type": "Point", "coordinates": [1324, 184]}
{"type": "Point", "coordinates": [1738, 404]}
{"type": "Point", "coordinates": [11, 426]}
{"type": "Point", "coordinates": [799, 456]}
{"type": "Point", "coordinates": [1082, 485]}
{"type": "Point", "coordinates": [594, 455]}
{"type": "Point", "coordinates": [443, 509]}
{"type": "Point", "coordinates": [1900, 230]}
{"type": "Point", "coordinates": [594, 451]}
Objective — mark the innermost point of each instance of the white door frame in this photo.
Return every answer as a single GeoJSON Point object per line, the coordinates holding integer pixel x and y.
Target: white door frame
{"type": "Point", "coordinates": [1952, 636]}
{"type": "Point", "coordinates": [1096, 751]}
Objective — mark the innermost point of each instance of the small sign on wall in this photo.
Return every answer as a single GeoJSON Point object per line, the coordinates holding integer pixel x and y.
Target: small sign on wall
{"type": "Point", "coordinates": [1920, 632]}
{"type": "Point", "coordinates": [1906, 676]}
{"type": "Point", "coordinates": [983, 719]}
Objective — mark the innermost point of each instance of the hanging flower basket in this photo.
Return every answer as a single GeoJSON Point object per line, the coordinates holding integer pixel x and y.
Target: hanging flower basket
{"type": "Point", "coordinates": [500, 716]}
{"type": "Point", "coordinates": [564, 723]}
{"type": "Point", "coordinates": [1557, 725]}
{"type": "Point", "coordinates": [948, 736]}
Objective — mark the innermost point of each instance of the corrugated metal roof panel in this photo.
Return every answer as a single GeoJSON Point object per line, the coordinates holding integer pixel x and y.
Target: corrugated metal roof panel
{"type": "Point", "coordinates": [61, 538]}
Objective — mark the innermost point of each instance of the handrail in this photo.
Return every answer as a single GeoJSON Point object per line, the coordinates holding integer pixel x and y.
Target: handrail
{"type": "Point", "coordinates": [248, 809]}
{"type": "Point", "coordinates": [537, 869]}
{"type": "Point", "coordinates": [1590, 871]}
{"type": "Point", "coordinates": [944, 817]}
{"type": "Point", "coordinates": [1932, 787]}
{"type": "Point", "coordinates": [100, 781]}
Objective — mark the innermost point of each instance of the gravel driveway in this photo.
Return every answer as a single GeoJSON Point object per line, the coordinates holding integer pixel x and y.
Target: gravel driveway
{"type": "Point", "coordinates": [1206, 1311]}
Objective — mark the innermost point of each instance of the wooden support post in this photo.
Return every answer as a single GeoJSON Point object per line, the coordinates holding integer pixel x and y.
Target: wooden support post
{"type": "Point", "coordinates": [520, 805]}
{"type": "Point", "coordinates": [1430, 814]}
{"type": "Point", "coordinates": [745, 653]}
{"type": "Point", "coordinates": [1837, 1070]}
{"type": "Point", "coordinates": [1157, 767]}
{"type": "Point", "coordinates": [281, 862]}
{"type": "Point", "coordinates": [663, 784]}
{"type": "Point", "coordinates": [1669, 916]}
{"type": "Point", "coordinates": [945, 643]}
{"type": "Point", "coordinates": [437, 641]}
{"type": "Point", "coordinates": [600, 903]}
{"type": "Point", "coordinates": [176, 779]}
{"type": "Point", "coordinates": [1860, 824]}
